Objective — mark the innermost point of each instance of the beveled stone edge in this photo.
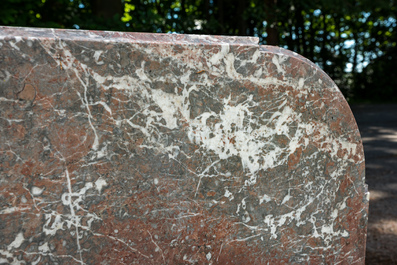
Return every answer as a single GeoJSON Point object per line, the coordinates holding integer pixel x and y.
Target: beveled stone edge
{"type": "Point", "coordinates": [118, 36]}
{"type": "Point", "coordinates": [343, 105]}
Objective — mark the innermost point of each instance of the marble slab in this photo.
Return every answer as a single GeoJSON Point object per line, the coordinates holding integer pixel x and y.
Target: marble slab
{"type": "Point", "coordinates": [135, 148]}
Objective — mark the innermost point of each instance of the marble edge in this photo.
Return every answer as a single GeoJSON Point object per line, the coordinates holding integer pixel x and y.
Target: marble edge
{"type": "Point", "coordinates": [283, 51]}
{"type": "Point", "coordinates": [342, 103]}
{"type": "Point", "coordinates": [296, 56]}
{"type": "Point", "coordinates": [118, 36]}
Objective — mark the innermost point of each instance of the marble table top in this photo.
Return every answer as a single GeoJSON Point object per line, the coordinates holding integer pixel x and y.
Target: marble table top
{"type": "Point", "coordinates": [137, 148]}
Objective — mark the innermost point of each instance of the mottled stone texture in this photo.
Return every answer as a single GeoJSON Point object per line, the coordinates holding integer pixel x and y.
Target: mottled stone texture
{"type": "Point", "coordinates": [130, 148]}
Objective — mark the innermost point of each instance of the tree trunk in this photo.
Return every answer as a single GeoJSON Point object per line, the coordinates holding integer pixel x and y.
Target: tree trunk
{"type": "Point", "coordinates": [312, 39]}
{"type": "Point", "coordinates": [290, 40]}
{"type": "Point", "coordinates": [355, 57]}
{"type": "Point", "coordinates": [271, 18]}
{"type": "Point", "coordinates": [107, 8]}
{"type": "Point", "coordinates": [324, 52]}
{"type": "Point", "coordinates": [300, 30]}
{"type": "Point", "coordinates": [242, 22]}
{"type": "Point", "coordinates": [221, 17]}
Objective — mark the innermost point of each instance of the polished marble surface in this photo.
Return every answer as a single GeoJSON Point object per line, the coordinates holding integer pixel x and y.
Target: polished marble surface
{"type": "Point", "coordinates": [134, 148]}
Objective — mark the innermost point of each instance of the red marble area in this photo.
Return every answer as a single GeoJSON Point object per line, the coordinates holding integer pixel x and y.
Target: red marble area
{"type": "Point", "coordinates": [135, 148]}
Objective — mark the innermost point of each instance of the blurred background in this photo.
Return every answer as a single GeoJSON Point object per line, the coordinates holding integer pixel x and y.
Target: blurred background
{"type": "Point", "coordinates": [353, 41]}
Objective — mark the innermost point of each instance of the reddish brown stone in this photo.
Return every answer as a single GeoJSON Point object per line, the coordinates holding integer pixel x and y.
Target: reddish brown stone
{"type": "Point", "coordinates": [135, 148]}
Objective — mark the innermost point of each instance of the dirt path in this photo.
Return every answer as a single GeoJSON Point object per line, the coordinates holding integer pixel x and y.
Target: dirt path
{"type": "Point", "coordinates": [378, 128]}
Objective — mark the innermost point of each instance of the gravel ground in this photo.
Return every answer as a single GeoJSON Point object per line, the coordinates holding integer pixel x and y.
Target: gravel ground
{"type": "Point", "coordinates": [378, 128]}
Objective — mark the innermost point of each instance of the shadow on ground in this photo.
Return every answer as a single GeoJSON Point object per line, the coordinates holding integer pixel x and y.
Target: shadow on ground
{"type": "Point", "coordinates": [378, 128]}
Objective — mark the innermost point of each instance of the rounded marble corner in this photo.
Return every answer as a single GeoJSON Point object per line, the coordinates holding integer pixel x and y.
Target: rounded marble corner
{"type": "Point", "coordinates": [332, 96]}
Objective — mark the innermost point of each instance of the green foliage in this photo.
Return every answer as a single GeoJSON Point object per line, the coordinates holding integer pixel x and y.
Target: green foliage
{"type": "Point", "coordinates": [55, 14]}
{"type": "Point", "coordinates": [353, 41]}
{"type": "Point", "coordinates": [19, 12]}
{"type": "Point", "coordinates": [378, 74]}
